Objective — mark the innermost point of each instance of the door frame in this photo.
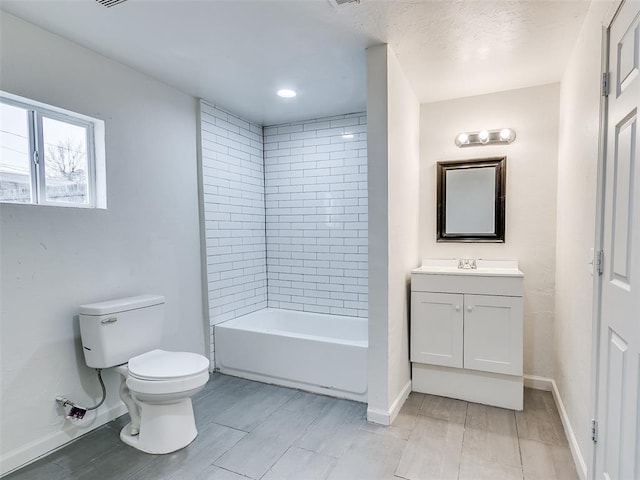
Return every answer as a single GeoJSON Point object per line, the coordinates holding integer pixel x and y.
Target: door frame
{"type": "Point", "coordinates": [599, 233]}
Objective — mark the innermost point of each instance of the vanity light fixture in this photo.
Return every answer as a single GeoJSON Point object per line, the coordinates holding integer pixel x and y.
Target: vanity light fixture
{"type": "Point", "coordinates": [286, 93]}
{"type": "Point", "coordinates": [502, 136]}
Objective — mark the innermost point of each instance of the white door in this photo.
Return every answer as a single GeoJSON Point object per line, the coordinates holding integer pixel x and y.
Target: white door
{"type": "Point", "coordinates": [493, 334]}
{"type": "Point", "coordinates": [436, 328]}
{"type": "Point", "coordinates": [618, 443]}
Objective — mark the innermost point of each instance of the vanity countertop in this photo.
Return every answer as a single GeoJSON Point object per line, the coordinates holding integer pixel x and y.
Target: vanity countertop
{"type": "Point", "coordinates": [484, 268]}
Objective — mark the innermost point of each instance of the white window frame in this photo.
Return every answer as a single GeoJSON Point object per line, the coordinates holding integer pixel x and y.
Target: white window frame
{"type": "Point", "coordinates": [96, 171]}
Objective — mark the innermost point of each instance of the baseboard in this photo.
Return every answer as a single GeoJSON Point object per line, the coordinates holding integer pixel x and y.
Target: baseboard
{"type": "Point", "coordinates": [578, 459]}
{"type": "Point", "coordinates": [31, 452]}
{"type": "Point", "coordinates": [538, 383]}
{"type": "Point", "coordinates": [549, 385]}
{"type": "Point", "coordinates": [386, 417]}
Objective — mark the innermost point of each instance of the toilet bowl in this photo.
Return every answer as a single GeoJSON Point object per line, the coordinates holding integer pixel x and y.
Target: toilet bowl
{"type": "Point", "coordinates": [157, 385]}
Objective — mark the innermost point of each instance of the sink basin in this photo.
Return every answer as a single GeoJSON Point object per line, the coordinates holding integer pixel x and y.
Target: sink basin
{"type": "Point", "coordinates": [486, 268]}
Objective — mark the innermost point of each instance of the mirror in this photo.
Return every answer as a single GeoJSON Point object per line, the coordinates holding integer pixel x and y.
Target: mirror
{"type": "Point", "coordinates": [471, 200]}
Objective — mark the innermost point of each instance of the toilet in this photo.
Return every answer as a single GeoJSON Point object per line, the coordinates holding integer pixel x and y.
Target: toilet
{"type": "Point", "coordinates": [157, 385]}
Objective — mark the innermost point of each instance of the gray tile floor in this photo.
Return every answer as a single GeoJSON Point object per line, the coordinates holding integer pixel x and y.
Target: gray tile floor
{"type": "Point", "coordinates": [249, 429]}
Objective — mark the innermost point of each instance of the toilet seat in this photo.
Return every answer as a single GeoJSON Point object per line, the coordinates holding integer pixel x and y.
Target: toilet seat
{"type": "Point", "coordinates": [160, 365]}
{"type": "Point", "coordinates": [159, 372]}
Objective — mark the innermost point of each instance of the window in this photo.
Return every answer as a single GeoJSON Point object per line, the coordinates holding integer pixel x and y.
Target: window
{"type": "Point", "coordinates": [50, 156]}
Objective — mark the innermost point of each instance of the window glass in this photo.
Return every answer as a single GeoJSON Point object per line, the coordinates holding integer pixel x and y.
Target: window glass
{"type": "Point", "coordinates": [50, 156]}
{"type": "Point", "coordinates": [66, 166]}
{"type": "Point", "coordinates": [15, 162]}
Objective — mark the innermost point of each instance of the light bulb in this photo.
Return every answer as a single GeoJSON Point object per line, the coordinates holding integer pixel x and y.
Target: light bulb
{"type": "Point", "coordinates": [505, 134]}
{"type": "Point", "coordinates": [483, 136]}
{"type": "Point", "coordinates": [463, 138]}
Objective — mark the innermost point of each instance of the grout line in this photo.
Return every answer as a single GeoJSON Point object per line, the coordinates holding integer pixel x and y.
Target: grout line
{"type": "Point", "coordinates": [518, 439]}
{"type": "Point", "coordinates": [464, 434]}
{"type": "Point", "coordinates": [278, 459]}
{"type": "Point", "coordinates": [264, 208]}
{"type": "Point", "coordinates": [228, 470]}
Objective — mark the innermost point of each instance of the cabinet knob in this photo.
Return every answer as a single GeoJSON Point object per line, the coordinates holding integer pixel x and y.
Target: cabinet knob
{"type": "Point", "coordinates": [457, 308]}
{"type": "Point", "coordinates": [469, 308]}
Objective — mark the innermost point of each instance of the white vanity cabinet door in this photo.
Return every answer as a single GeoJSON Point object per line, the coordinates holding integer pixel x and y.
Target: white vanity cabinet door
{"type": "Point", "coordinates": [436, 328]}
{"type": "Point", "coordinates": [493, 334]}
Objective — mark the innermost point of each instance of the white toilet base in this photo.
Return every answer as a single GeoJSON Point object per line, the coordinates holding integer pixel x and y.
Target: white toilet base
{"type": "Point", "coordinates": [163, 428]}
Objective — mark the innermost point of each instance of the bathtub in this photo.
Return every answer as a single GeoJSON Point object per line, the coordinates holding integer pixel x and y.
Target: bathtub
{"type": "Point", "coordinates": [315, 352]}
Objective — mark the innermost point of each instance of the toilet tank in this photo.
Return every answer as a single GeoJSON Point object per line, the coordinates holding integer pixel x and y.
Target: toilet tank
{"type": "Point", "coordinates": [113, 332]}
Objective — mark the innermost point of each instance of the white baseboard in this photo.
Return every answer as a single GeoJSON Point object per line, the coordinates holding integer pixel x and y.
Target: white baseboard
{"type": "Point", "coordinates": [31, 452]}
{"type": "Point", "coordinates": [386, 417]}
{"type": "Point", "coordinates": [549, 385]}
{"type": "Point", "coordinates": [538, 383]}
{"type": "Point", "coordinates": [578, 459]}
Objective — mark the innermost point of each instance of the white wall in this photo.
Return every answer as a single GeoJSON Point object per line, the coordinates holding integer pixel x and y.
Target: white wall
{"type": "Point", "coordinates": [316, 207]}
{"type": "Point", "coordinates": [394, 117]}
{"type": "Point", "coordinates": [404, 167]}
{"type": "Point", "coordinates": [233, 210]}
{"type": "Point", "coordinates": [577, 180]}
{"type": "Point", "coordinates": [530, 199]}
{"type": "Point", "coordinates": [377, 179]}
{"type": "Point", "coordinates": [54, 259]}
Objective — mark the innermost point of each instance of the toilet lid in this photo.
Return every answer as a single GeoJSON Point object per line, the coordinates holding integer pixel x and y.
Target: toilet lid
{"type": "Point", "coordinates": [162, 365]}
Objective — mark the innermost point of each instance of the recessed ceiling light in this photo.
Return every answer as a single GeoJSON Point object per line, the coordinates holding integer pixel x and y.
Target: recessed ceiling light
{"type": "Point", "coordinates": [286, 93]}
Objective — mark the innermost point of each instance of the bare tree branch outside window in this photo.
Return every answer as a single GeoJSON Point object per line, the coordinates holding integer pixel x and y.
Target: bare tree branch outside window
{"type": "Point", "coordinates": [66, 159]}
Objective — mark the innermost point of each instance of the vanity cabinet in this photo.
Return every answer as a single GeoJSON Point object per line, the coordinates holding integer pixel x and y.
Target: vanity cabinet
{"type": "Point", "coordinates": [466, 332]}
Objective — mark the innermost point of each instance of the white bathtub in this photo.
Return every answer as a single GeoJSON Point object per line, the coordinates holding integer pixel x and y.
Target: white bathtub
{"type": "Point", "coordinates": [315, 352]}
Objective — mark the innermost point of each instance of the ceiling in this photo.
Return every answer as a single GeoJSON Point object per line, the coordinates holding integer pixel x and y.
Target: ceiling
{"type": "Point", "coordinates": [237, 53]}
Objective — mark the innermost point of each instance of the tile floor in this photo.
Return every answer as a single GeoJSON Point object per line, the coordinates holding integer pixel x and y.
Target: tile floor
{"type": "Point", "coordinates": [252, 430]}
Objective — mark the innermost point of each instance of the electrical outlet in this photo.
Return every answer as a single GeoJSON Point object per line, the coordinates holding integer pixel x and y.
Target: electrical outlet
{"type": "Point", "coordinates": [76, 413]}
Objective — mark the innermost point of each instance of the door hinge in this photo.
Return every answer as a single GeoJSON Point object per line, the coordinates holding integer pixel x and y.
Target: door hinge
{"type": "Point", "coordinates": [599, 261]}
{"type": "Point", "coordinates": [605, 84]}
{"type": "Point", "coordinates": [36, 157]}
{"type": "Point", "coordinates": [594, 431]}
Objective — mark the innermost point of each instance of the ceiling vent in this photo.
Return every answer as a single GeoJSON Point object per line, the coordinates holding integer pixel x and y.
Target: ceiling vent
{"type": "Point", "coordinates": [110, 3]}
{"type": "Point", "coordinates": [339, 3]}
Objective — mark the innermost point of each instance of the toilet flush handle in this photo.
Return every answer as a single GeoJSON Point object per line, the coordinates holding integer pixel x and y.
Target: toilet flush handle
{"type": "Point", "coordinates": [109, 320]}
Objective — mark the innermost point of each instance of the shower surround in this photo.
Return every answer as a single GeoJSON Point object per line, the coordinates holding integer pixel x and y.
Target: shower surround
{"type": "Point", "coordinates": [316, 215]}
{"type": "Point", "coordinates": [285, 215]}
{"type": "Point", "coordinates": [232, 176]}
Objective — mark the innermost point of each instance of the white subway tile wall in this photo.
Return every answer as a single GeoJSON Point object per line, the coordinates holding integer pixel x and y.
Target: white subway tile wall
{"type": "Point", "coordinates": [234, 215]}
{"type": "Point", "coordinates": [316, 215]}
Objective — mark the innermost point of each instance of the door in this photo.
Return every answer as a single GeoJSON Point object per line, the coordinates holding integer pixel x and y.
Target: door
{"type": "Point", "coordinates": [493, 334]}
{"type": "Point", "coordinates": [618, 446]}
{"type": "Point", "coordinates": [436, 328]}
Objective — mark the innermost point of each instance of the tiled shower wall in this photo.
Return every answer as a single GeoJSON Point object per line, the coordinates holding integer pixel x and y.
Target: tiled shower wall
{"type": "Point", "coordinates": [308, 182]}
{"type": "Point", "coordinates": [316, 213]}
{"type": "Point", "coordinates": [234, 216]}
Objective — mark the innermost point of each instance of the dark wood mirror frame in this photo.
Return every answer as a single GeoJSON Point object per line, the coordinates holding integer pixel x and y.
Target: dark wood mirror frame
{"type": "Point", "coordinates": [497, 236]}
